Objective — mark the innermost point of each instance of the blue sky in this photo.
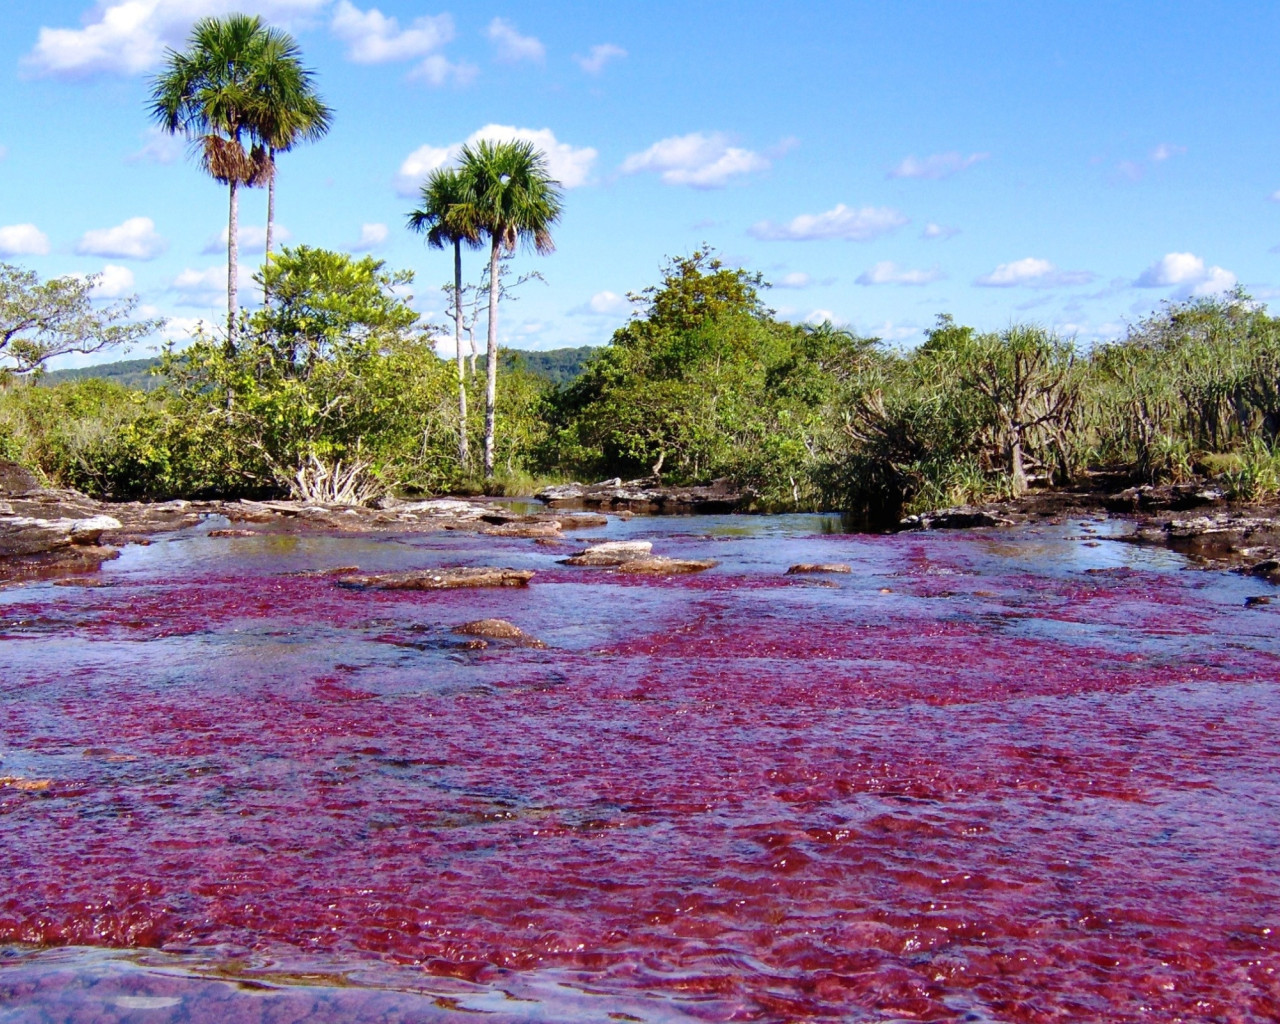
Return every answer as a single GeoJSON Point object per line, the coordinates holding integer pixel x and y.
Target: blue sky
{"type": "Point", "coordinates": [1069, 163]}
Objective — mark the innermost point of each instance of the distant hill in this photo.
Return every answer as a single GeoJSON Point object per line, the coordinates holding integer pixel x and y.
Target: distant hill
{"type": "Point", "coordinates": [132, 373]}
{"type": "Point", "coordinates": [558, 365]}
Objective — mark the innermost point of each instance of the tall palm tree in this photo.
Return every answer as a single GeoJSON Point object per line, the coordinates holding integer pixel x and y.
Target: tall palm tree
{"type": "Point", "coordinates": [210, 94]}
{"type": "Point", "coordinates": [447, 215]}
{"type": "Point", "coordinates": [288, 109]}
{"type": "Point", "coordinates": [516, 201]}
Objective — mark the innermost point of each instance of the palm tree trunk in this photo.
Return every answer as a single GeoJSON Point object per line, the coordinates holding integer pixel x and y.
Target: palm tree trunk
{"type": "Point", "coordinates": [457, 340]}
{"type": "Point", "coordinates": [491, 389]}
{"type": "Point", "coordinates": [233, 265]}
{"type": "Point", "coordinates": [271, 219]}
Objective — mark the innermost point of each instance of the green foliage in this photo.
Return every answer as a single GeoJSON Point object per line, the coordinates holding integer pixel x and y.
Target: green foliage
{"type": "Point", "coordinates": [40, 320]}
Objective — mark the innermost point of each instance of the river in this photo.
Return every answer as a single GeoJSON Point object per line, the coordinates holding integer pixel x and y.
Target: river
{"type": "Point", "coordinates": [1024, 775]}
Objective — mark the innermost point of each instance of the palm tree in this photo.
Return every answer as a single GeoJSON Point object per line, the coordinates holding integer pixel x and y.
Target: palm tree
{"type": "Point", "coordinates": [448, 216]}
{"type": "Point", "coordinates": [288, 110]}
{"type": "Point", "coordinates": [210, 94]}
{"type": "Point", "coordinates": [516, 201]}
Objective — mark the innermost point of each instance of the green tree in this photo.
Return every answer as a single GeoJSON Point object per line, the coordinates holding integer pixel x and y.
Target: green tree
{"type": "Point", "coordinates": [40, 320]}
{"type": "Point", "coordinates": [448, 216]}
{"type": "Point", "coordinates": [211, 93]}
{"type": "Point", "coordinates": [516, 201]}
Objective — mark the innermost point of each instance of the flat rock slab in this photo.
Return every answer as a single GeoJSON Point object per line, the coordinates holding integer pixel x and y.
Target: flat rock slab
{"type": "Point", "coordinates": [646, 496]}
{"type": "Point", "coordinates": [962, 517]}
{"type": "Point", "coordinates": [658, 565]}
{"type": "Point", "coordinates": [498, 629]}
{"type": "Point", "coordinates": [542, 529]}
{"type": "Point", "coordinates": [28, 535]}
{"type": "Point", "coordinates": [439, 579]}
{"type": "Point", "coordinates": [805, 568]}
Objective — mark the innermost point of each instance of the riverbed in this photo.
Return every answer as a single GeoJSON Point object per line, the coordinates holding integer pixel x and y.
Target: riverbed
{"type": "Point", "coordinates": [1019, 775]}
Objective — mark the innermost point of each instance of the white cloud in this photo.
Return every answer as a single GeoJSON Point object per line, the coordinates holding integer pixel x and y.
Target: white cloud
{"type": "Point", "coordinates": [512, 47]}
{"type": "Point", "coordinates": [439, 70]}
{"type": "Point", "coordinates": [700, 159]}
{"type": "Point", "coordinates": [796, 279]}
{"type": "Point", "coordinates": [1033, 273]}
{"type": "Point", "coordinates": [939, 165]}
{"type": "Point", "coordinates": [569, 165]}
{"type": "Point", "coordinates": [841, 221]}
{"type": "Point", "coordinates": [1166, 150]}
{"type": "Point", "coordinates": [1187, 274]}
{"type": "Point", "coordinates": [593, 63]}
{"type": "Point", "coordinates": [889, 331]}
{"type": "Point", "coordinates": [129, 36]}
{"type": "Point", "coordinates": [888, 272]}
{"type": "Point", "coordinates": [23, 240]}
{"type": "Point", "coordinates": [375, 38]}
{"type": "Point", "coordinates": [135, 239]}
{"type": "Point", "coordinates": [114, 282]}
{"type": "Point", "coordinates": [159, 148]}
{"type": "Point", "coordinates": [209, 287]}
{"type": "Point", "coordinates": [603, 304]}
{"type": "Point", "coordinates": [251, 238]}
{"type": "Point", "coordinates": [823, 316]}
{"type": "Point", "coordinates": [939, 232]}
{"type": "Point", "coordinates": [371, 237]}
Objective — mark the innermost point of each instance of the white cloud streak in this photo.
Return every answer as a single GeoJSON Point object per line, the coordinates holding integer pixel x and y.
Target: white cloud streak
{"type": "Point", "coordinates": [128, 37]}
{"type": "Point", "coordinates": [569, 165]}
{"type": "Point", "coordinates": [511, 46]}
{"type": "Point", "coordinates": [699, 160]}
{"type": "Point", "coordinates": [605, 304]}
{"type": "Point", "coordinates": [936, 166]}
{"type": "Point", "coordinates": [598, 56]}
{"type": "Point", "coordinates": [888, 272]}
{"type": "Point", "coordinates": [840, 222]}
{"type": "Point", "coordinates": [251, 238]}
{"type": "Point", "coordinates": [938, 232]}
{"type": "Point", "coordinates": [375, 38]}
{"type": "Point", "coordinates": [135, 239]}
{"type": "Point", "coordinates": [23, 240]}
{"type": "Point", "coordinates": [1033, 273]}
{"type": "Point", "coordinates": [372, 236]}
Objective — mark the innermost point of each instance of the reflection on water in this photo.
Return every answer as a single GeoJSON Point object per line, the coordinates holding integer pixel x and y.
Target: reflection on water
{"type": "Point", "coordinates": [1021, 775]}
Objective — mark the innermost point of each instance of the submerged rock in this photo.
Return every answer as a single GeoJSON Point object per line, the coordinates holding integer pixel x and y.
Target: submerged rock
{"type": "Point", "coordinates": [498, 629]}
{"type": "Point", "coordinates": [659, 565]}
{"type": "Point", "coordinates": [439, 579]}
{"type": "Point", "coordinates": [530, 530]}
{"type": "Point", "coordinates": [817, 567]}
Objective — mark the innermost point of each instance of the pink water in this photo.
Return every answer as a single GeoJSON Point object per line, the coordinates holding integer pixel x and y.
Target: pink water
{"type": "Point", "coordinates": [1006, 776]}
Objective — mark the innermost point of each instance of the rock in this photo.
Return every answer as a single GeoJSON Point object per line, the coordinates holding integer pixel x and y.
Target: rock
{"type": "Point", "coordinates": [659, 565]}
{"type": "Point", "coordinates": [232, 533]}
{"type": "Point", "coordinates": [611, 552]}
{"type": "Point", "coordinates": [27, 785]}
{"type": "Point", "coordinates": [812, 567]}
{"type": "Point", "coordinates": [1255, 601]}
{"type": "Point", "coordinates": [646, 496]}
{"type": "Point", "coordinates": [1268, 569]}
{"type": "Point", "coordinates": [439, 579]}
{"type": "Point", "coordinates": [16, 479]}
{"type": "Point", "coordinates": [544, 529]}
{"type": "Point", "coordinates": [27, 535]}
{"type": "Point", "coordinates": [498, 629]}
{"type": "Point", "coordinates": [962, 517]}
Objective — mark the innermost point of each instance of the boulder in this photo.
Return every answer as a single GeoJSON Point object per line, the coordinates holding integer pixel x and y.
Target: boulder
{"type": "Point", "coordinates": [27, 535]}
{"type": "Point", "coordinates": [962, 517]}
{"type": "Point", "coordinates": [439, 579]}
{"type": "Point", "coordinates": [648, 495]}
{"type": "Point", "coordinates": [817, 567]}
{"type": "Point", "coordinates": [498, 629]}
{"type": "Point", "coordinates": [520, 529]}
{"type": "Point", "coordinates": [16, 479]}
{"type": "Point", "coordinates": [1268, 569]}
{"type": "Point", "coordinates": [611, 552]}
